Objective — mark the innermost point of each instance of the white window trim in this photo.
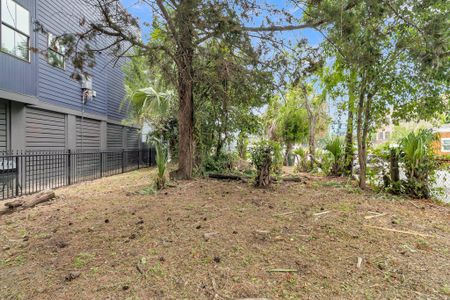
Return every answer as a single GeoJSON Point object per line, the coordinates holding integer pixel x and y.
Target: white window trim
{"type": "Point", "coordinates": [17, 30]}
{"type": "Point", "coordinates": [442, 145]}
{"type": "Point", "coordinates": [55, 51]}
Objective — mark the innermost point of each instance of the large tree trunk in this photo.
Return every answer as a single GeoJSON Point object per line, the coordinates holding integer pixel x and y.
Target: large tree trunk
{"type": "Point", "coordinates": [219, 145]}
{"type": "Point", "coordinates": [242, 146]}
{"type": "Point", "coordinates": [312, 120]}
{"type": "Point", "coordinates": [312, 140]}
{"type": "Point", "coordinates": [186, 123]}
{"type": "Point", "coordinates": [366, 128]}
{"type": "Point", "coordinates": [364, 116]}
{"type": "Point", "coordinates": [348, 156]}
{"type": "Point", "coordinates": [362, 155]}
{"type": "Point", "coordinates": [185, 54]}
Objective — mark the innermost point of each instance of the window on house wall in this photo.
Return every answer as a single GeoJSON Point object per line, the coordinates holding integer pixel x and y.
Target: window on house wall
{"type": "Point", "coordinates": [15, 29]}
{"type": "Point", "coordinates": [380, 135]}
{"type": "Point", "coordinates": [55, 52]}
{"type": "Point", "coordinates": [445, 145]}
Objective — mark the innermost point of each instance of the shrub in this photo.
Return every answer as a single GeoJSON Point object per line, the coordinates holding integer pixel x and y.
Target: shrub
{"type": "Point", "coordinates": [384, 168]}
{"type": "Point", "coordinates": [277, 158]}
{"type": "Point", "coordinates": [222, 163]}
{"type": "Point", "coordinates": [263, 156]}
{"type": "Point", "coordinates": [335, 146]}
{"type": "Point", "coordinates": [419, 162]}
{"type": "Point", "coordinates": [303, 163]}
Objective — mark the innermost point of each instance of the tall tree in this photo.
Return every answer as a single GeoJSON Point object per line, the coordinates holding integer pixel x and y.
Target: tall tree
{"type": "Point", "coordinates": [180, 30]}
{"type": "Point", "coordinates": [291, 124]}
{"type": "Point", "coordinates": [400, 60]}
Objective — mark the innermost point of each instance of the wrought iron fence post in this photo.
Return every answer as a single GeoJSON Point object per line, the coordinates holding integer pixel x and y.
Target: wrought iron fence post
{"type": "Point", "coordinates": [139, 159]}
{"type": "Point", "coordinates": [101, 164]}
{"type": "Point", "coordinates": [69, 169]}
{"type": "Point", "coordinates": [123, 160]}
{"type": "Point", "coordinates": [17, 174]}
{"type": "Point", "coordinates": [149, 156]}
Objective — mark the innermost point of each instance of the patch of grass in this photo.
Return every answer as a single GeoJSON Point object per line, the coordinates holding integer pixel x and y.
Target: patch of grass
{"type": "Point", "coordinates": [332, 231]}
{"type": "Point", "coordinates": [301, 249]}
{"type": "Point", "coordinates": [311, 238]}
{"type": "Point", "coordinates": [445, 290]}
{"type": "Point", "coordinates": [442, 227]}
{"type": "Point", "coordinates": [423, 245]}
{"type": "Point", "coordinates": [353, 190]}
{"type": "Point", "coordinates": [332, 184]}
{"type": "Point", "coordinates": [156, 270]}
{"type": "Point", "coordinates": [152, 251]}
{"type": "Point", "coordinates": [82, 259]}
{"type": "Point", "coordinates": [345, 286]}
{"type": "Point", "coordinates": [205, 260]}
{"type": "Point", "coordinates": [247, 260]}
{"type": "Point", "coordinates": [148, 191]}
{"type": "Point", "coordinates": [23, 232]}
{"type": "Point", "coordinates": [345, 207]}
{"type": "Point", "coordinates": [236, 249]}
{"type": "Point", "coordinates": [44, 235]}
{"type": "Point", "coordinates": [13, 262]}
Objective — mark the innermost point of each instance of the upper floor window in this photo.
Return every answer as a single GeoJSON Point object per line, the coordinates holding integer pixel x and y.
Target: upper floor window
{"type": "Point", "coordinates": [446, 145]}
{"type": "Point", "coordinates": [55, 52]}
{"type": "Point", "coordinates": [15, 29]}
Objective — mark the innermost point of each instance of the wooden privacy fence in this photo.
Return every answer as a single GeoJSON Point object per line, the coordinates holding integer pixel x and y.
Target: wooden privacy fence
{"type": "Point", "coordinates": [24, 172]}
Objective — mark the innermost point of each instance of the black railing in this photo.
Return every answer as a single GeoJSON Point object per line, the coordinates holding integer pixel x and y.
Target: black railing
{"type": "Point", "coordinates": [28, 172]}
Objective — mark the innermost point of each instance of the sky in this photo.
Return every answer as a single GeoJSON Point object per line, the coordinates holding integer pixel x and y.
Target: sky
{"type": "Point", "coordinates": [142, 12]}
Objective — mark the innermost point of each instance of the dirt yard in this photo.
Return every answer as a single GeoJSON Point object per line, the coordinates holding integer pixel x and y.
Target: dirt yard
{"type": "Point", "coordinates": [210, 239]}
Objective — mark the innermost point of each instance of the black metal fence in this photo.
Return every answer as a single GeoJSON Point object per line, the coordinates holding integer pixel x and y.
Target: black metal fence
{"type": "Point", "coordinates": [25, 172]}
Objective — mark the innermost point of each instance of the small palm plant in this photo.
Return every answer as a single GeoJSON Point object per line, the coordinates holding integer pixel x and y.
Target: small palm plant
{"type": "Point", "coordinates": [303, 164]}
{"type": "Point", "coordinates": [335, 146]}
{"type": "Point", "coordinates": [152, 105]}
{"type": "Point", "coordinates": [161, 162]}
{"type": "Point", "coordinates": [419, 162]}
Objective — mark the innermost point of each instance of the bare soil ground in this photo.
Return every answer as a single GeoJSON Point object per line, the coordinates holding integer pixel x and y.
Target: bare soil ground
{"type": "Point", "coordinates": [209, 239]}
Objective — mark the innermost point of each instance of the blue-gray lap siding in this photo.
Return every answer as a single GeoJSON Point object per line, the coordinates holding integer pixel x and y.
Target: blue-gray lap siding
{"type": "Point", "coordinates": [45, 129]}
{"type": "Point", "coordinates": [55, 85]}
{"type": "Point", "coordinates": [17, 75]}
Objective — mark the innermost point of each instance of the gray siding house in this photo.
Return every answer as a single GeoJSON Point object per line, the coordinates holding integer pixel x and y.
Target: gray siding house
{"type": "Point", "coordinates": [41, 106]}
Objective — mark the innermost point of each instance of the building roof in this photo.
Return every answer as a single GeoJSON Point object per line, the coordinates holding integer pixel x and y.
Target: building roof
{"type": "Point", "coordinates": [444, 128]}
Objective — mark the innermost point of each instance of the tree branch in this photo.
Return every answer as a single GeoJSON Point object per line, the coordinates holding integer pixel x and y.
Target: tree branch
{"type": "Point", "coordinates": [275, 28]}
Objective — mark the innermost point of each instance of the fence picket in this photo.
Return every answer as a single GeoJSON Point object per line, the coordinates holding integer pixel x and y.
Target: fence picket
{"type": "Point", "coordinates": [23, 172]}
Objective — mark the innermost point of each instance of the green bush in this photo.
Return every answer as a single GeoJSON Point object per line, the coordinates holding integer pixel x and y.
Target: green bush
{"type": "Point", "coordinates": [303, 163]}
{"type": "Point", "coordinates": [222, 163]}
{"type": "Point", "coordinates": [415, 155]}
{"type": "Point", "coordinates": [277, 158]}
{"type": "Point", "coordinates": [264, 156]}
{"type": "Point", "coordinates": [335, 147]}
{"type": "Point", "coordinates": [419, 162]}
